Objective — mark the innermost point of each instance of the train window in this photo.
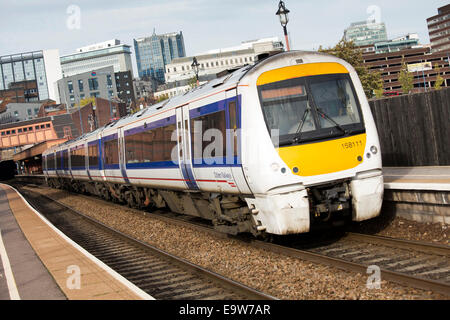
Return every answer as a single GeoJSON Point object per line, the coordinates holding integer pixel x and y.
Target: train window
{"type": "Point", "coordinates": [211, 129]}
{"type": "Point", "coordinates": [111, 152]}
{"type": "Point", "coordinates": [58, 160]}
{"type": "Point", "coordinates": [25, 129]}
{"type": "Point", "coordinates": [233, 125]}
{"type": "Point", "coordinates": [284, 106]}
{"type": "Point", "coordinates": [151, 145]}
{"type": "Point", "coordinates": [65, 160]}
{"type": "Point", "coordinates": [335, 98]}
{"type": "Point", "coordinates": [93, 156]}
{"type": "Point", "coordinates": [51, 161]}
{"type": "Point", "coordinates": [314, 107]}
{"type": "Point", "coordinates": [77, 156]}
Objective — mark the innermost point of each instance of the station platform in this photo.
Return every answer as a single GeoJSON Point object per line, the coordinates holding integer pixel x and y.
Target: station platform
{"type": "Point", "coordinates": [420, 194]}
{"type": "Point", "coordinates": [417, 178]}
{"type": "Point", "coordinates": [38, 262]}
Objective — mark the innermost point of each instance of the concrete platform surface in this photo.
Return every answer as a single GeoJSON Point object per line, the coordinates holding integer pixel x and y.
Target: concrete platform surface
{"type": "Point", "coordinates": [40, 262]}
{"type": "Point", "coordinates": [417, 178]}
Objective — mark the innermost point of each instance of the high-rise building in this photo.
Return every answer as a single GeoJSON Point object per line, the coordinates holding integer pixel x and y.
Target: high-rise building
{"type": "Point", "coordinates": [155, 52]}
{"type": "Point", "coordinates": [364, 33]}
{"type": "Point", "coordinates": [96, 56]}
{"type": "Point", "coordinates": [30, 76]}
{"type": "Point", "coordinates": [439, 29]}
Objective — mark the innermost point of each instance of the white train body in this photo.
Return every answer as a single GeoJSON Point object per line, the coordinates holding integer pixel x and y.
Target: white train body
{"type": "Point", "coordinates": [299, 146]}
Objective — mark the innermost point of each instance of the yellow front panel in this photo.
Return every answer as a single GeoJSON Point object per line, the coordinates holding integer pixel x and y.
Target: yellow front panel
{"type": "Point", "coordinates": [301, 70]}
{"type": "Point", "coordinates": [324, 157]}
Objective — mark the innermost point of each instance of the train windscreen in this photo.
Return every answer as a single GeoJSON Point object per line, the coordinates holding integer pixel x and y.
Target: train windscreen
{"type": "Point", "coordinates": [309, 108]}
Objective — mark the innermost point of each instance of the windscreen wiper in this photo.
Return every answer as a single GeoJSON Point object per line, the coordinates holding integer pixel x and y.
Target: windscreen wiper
{"type": "Point", "coordinates": [298, 133]}
{"type": "Point", "coordinates": [323, 114]}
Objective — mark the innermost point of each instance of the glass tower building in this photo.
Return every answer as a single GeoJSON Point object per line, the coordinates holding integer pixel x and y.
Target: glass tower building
{"type": "Point", "coordinates": [155, 52]}
{"type": "Point", "coordinates": [365, 33]}
{"type": "Point", "coordinates": [35, 73]}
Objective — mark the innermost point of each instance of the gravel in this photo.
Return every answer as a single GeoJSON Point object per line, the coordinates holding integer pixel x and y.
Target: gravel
{"type": "Point", "coordinates": [281, 276]}
{"type": "Point", "coordinates": [387, 224]}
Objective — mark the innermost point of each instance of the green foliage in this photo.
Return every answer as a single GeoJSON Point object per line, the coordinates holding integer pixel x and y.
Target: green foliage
{"type": "Point", "coordinates": [378, 93]}
{"type": "Point", "coordinates": [406, 78]}
{"type": "Point", "coordinates": [346, 50]}
{"type": "Point", "coordinates": [439, 80]}
{"type": "Point", "coordinates": [192, 82]}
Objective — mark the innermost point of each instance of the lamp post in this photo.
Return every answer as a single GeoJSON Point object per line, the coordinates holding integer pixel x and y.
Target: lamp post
{"type": "Point", "coordinates": [195, 66]}
{"type": "Point", "coordinates": [282, 13]}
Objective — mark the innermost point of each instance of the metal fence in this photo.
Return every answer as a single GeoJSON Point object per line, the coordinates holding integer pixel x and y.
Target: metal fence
{"type": "Point", "coordinates": [414, 130]}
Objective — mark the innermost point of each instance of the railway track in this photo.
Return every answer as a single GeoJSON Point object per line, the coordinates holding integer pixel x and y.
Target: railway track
{"type": "Point", "coordinates": [410, 263]}
{"type": "Point", "coordinates": [158, 273]}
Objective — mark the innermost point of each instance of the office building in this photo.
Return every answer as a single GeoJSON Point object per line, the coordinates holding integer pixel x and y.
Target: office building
{"type": "Point", "coordinates": [30, 76]}
{"type": "Point", "coordinates": [15, 112]}
{"type": "Point", "coordinates": [155, 52]}
{"type": "Point", "coordinates": [97, 56]}
{"type": "Point", "coordinates": [439, 29]}
{"type": "Point", "coordinates": [389, 65]}
{"type": "Point", "coordinates": [364, 33]}
{"type": "Point", "coordinates": [99, 83]}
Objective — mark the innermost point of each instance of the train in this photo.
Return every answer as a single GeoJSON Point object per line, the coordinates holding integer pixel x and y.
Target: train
{"type": "Point", "coordinates": [282, 146]}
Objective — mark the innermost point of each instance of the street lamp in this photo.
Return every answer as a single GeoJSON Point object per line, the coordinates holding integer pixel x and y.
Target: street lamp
{"type": "Point", "coordinates": [195, 66]}
{"type": "Point", "coordinates": [282, 13]}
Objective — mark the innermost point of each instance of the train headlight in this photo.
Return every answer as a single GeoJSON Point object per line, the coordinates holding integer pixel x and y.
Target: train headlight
{"type": "Point", "coordinates": [275, 166]}
{"type": "Point", "coordinates": [373, 149]}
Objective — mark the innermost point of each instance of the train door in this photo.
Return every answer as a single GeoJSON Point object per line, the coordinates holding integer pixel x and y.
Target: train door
{"type": "Point", "coordinates": [122, 158]}
{"type": "Point", "coordinates": [101, 166]}
{"type": "Point", "coordinates": [233, 140]}
{"type": "Point", "coordinates": [184, 149]}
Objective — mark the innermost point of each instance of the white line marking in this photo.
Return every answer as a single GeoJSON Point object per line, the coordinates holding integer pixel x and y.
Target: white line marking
{"type": "Point", "coordinates": [13, 293]}
{"type": "Point", "coordinates": [141, 293]}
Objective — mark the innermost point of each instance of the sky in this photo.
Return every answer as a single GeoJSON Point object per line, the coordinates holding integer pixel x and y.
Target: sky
{"type": "Point", "coordinates": [28, 25]}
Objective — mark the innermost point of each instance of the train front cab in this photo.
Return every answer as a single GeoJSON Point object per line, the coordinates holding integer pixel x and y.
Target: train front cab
{"type": "Point", "coordinates": [328, 146]}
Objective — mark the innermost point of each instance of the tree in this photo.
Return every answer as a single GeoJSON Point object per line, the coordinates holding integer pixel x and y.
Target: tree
{"type": "Point", "coordinates": [346, 50]}
{"type": "Point", "coordinates": [439, 80]}
{"type": "Point", "coordinates": [192, 82]}
{"type": "Point", "coordinates": [405, 78]}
